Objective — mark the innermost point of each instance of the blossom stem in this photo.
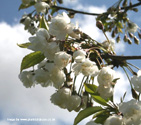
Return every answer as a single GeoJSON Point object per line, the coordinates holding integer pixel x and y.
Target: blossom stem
{"type": "Point", "coordinates": [70, 66]}
{"type": "Point", "coordinates": [74, 83]}
{"type": "Point", "coordinates": [99, 57]}
{"type": "Point", "coordinates": [131, 6]}
{"type": "Point", "coordinates": [133, 66]}
{"type": "Point", "coordinates": [108, 41]}
{"type": "Point", "coordinates": [128, 77]}
{"type": "Point", "coordinates": [93, 14]}
{"type": "Point", "coordinates": [81, 85]}
{"type": "Point", "coordinates": [129, 68]}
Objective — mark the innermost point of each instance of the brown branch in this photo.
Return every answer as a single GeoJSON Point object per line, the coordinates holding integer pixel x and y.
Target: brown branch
{"type": "Point", "coordinates": [120, 57]}
{"type": "Point", "coordinates": [93, 14]}
{"type": "Point", "coordinates": [128, 7]}
{"type": "Point", "coordinates": [75, 11]}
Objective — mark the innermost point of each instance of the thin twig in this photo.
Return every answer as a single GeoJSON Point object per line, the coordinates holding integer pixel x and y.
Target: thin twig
{"type": "Point", "coordinates": [75, 11]}
{"type": "Point", "coordinates": [128, 7]}
{"type": "Point", "coordinates": [93, 14]}
{"type": "Point", "coordinates": [127, 77]}
{"type": "Point", "coordinates": [133, 66]}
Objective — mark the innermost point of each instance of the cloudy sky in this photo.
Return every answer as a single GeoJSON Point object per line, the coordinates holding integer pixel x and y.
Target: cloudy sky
{"type": "Point", "coordinates": [18, 102]}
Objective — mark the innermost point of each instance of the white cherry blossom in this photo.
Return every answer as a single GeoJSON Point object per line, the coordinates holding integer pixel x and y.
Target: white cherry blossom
{"type": "Point", "coordinates": [86, 68]}
{"type": "Point", "coordinates": [131, 111]}
{"type": "Point", "coordinates": [114, 120]}
{"type": "Point", "coordinates": [73, 102]}
{"type": "Point", "coordinates": [106, 76]}
{"type": "Point", "coordinates": [131, 27]}
{"type": "Point", "coordinates": [79, 56]}
{"type": "Point", "coordinates": [50, 50]}
{"type": "Point", "coordinates": [39, 42]}
{"type": "Point", "coordinates": [109, 45]}
{"type": "Point", "coordinates": [62, 59]}
{"type": "Point", "coordinates": [59, 26]}
{"type": "Point", "coordinates": [26, 78]}
{"type": "Point", "coordinates": [42, 77]}
{"type": "Point", "coordinates": [26, 20]}
{"type": "Point", "coordinates": [136, 81]}
{"type": "Point", "coordinates": [61, 97]}
{"type": "Point", "coordinates": [105, 91]}
{"type": "Point", "coordinates": [57, 77]}
{"type": "Point", "coordinates": [41, 7]}
{"type": "Point", "coordinates": [74, 31]}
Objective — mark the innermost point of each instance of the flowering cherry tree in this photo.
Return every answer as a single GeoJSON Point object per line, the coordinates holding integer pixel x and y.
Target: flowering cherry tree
{"type": "Point", "coordinates": [62, 52]}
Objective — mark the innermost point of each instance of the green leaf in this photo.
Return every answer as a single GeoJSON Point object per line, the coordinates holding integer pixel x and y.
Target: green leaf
{"type": "Point", "coordinates": [101, 119]}
{"type": "Point", "coordinates": [43, 23]}
{"type": "Point", "coordinates": [101, 116]}
{"type": "Point", "coordinates": [22, 6]}
{"type": "Point", "coordinates": [24, 45]}
{"type": "Point", "coordinates": [32, 59]}
{"type": "Point", "coordinates": [90, 88]}
{"type": "Point", "coordinates": [119, 25]}
{"type": "Point", "coordinates": [86, 112]}
{"type": "Point", "coordinates": [100, 100]}
{"type": "Point", "coordinates": [115, 80]}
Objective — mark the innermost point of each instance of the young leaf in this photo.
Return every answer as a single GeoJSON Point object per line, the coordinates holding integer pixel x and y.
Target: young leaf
{"type": "Point", "coordinates": [86, 112]}
{"type": "Point", "coordinates": [43, 23]}
{"type": "Point", "coordinates": [90, 88]}
{"type": "Point", "coordinates": [22, 6]}
{"type": "Point", "coordinates": [32, 59]}
{"type": "Point", "coordinates": [115, 80]}
{"type": "Point", "coordinates": [101, 119]}
{"type": "Point", "coordinates": [100, 100]}
{"type": "Point", "coordinates": [24, 45]}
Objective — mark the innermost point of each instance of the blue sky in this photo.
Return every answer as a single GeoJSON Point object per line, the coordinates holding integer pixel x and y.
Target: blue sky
{"type": "Point", "coordinates": [19, 102]}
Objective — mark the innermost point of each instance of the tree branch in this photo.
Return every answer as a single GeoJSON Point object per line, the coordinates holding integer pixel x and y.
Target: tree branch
{"type": "Point", "coordinates": [120, 57]}
{"type": "Point", "coordinates": [75, 11]}
{"type": "Point", "coordinates": [93, 14]}
{"type": "Point", "coordinates": [128, 7]}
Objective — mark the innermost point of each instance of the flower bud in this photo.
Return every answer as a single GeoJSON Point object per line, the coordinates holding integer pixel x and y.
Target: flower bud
{"type": "Point", "coordinates": [71, 14]}
{"type": "Point", "coordinates": [99, 25]}
{"type": "Point", "coordinates": [129, 41]}
{"type": "Point", "coordinates": [118, 39]}
{"type": "Point", "coordinates": [136, 40]}
{"type": "Point", "coordinates": [139, 34]}
{"type": "Point", "coordinates": [60, 1]}
{"type": "Point", "coordinates": [124, 3]}
{"type": "Point", "coordinates": [113, 34]}
{"type": "Point", "coordinates": [125, 38]}
{"type": "Point", "coordinates": [134, 94]}
{"type": "Point", "coordinates": [135, 9]}
{"type": "Point", "coordinates": [130, 35]}
{"type": "Point", "coordinates": [116, 30]}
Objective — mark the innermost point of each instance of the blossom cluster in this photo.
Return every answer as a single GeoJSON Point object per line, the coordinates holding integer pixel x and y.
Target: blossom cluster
{"type": "Point", "coordinates": [69, 53]}
{"type": "Point", "coordinates": [131, 115]}
{"type": "Point", "coordinates": [50, 72]}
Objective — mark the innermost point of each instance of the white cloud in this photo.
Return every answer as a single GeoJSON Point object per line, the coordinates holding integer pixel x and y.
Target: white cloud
{"type": "Point", "coordinates": [70, 2]}
{"type": "Point", "coordinates": [88, 23]}
{"type": "Point", "coordinates": [6, 123]}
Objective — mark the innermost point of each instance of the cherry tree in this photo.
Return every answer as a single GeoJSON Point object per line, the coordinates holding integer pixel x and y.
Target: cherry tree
{"type": "Point", "coordinates": [62, 52]}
